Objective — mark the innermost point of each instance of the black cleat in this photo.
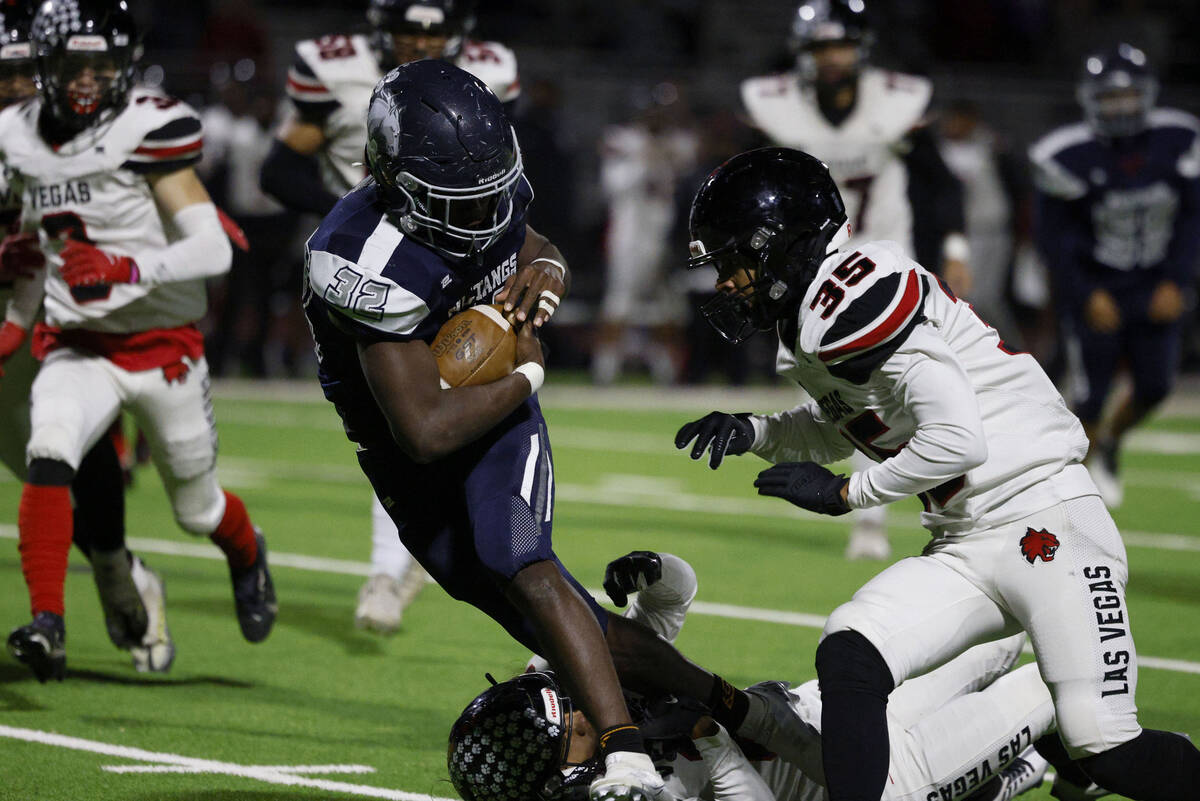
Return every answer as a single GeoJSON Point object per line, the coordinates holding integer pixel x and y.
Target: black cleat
{"type": "Point", "coordinates": [254, 595]}
{"type": "Point", "coordinates": [41, 645]}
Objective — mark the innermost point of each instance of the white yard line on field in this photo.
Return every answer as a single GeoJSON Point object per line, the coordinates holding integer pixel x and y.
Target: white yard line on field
{"type": "Point", "coordinates": [350, 568]}
{"type": "Point", "coordinates": [175, 763]}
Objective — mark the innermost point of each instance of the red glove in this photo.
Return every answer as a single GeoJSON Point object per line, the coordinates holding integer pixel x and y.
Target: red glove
{"type": "Point", "coordinates": [20, 256]}
{"type": "Point", "coordinates": [234, 231]}
{"type": "Point", "coordinates": [85, 265]}
{"type": "Point", "coordinates": [12, 336]}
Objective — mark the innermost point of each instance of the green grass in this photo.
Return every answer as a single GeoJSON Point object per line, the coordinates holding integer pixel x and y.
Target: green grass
{"type": "Point", "coordinates": [317, 692]}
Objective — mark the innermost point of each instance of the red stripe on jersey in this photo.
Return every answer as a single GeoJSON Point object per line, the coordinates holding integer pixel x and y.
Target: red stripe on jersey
{"type": "Point", "coordinates": [315, 89]}
{"type": "Point", "coordinates": [890, 325]}
{"type": "Point", "coordinates": [170, 152]}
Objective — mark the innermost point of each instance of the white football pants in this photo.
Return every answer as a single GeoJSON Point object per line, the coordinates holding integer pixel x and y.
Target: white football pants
{"type": "Point", "coordinates": [1059, 574]}
{"type": "Point", "coordinates": [77, 396]}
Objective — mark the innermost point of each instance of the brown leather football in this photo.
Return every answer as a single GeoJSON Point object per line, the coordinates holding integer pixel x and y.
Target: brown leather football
{"type": "Point", "coordinates": [476, 346]}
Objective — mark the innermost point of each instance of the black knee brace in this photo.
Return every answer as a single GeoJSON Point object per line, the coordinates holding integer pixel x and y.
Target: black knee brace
{"type": "Point", "coordinates": [50, 473]}
{"type": "Point", "coordinates": [1154, 766]}
{"type": "Point", "coordinates": [847, 662]}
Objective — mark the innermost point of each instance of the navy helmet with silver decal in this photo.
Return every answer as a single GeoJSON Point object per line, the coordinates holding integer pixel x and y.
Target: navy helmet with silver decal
{"type": "Point", "coordinates": [1117, 90]}
{"type": "Point", "coordinates": [444, 156]}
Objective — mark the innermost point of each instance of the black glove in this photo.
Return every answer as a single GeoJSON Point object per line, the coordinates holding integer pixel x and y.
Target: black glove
{"type": "Point", "coordinates": [670, 717]}
{"type": "Point", "coordinates": [634, 571]}
{"type": "Point", "coordinates": [730, 434]}
{"type": "Point", "coordinates": [806, 484]}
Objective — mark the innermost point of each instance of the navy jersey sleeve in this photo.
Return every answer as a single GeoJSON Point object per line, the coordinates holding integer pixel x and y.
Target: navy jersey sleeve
{"type": "Point", "coordinates": [375, 284]}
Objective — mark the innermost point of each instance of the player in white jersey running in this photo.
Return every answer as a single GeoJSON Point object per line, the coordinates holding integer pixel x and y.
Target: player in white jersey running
{"type": "Point", "coordinates": [129, 235]}
{"type": "Point", "coordinates": [318, 157]}
{"type": "Point", "coordinates": [869, 126]}
{"type": "Point", "coordinates": [131, 594]}
{"type": "Point", "coordinates": [903, 371]}
{"type": "Point", "coordinates": [962, 731]}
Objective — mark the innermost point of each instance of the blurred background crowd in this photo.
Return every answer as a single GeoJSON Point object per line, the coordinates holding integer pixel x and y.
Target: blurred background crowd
{"type": "Point", "coordinates": [625, 106]}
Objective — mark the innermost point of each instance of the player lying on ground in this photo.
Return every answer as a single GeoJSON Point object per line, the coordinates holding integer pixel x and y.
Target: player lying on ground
{"type": "Point", "coordinates": [129, 234]}
{"type": "Point", "coordinates": [902, 370]}
{"type": "Point", "coordinates": [957, 731]}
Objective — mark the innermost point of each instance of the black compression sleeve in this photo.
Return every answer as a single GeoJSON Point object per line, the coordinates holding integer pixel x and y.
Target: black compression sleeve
{"type": "Point", "coordinates": [295, 181]}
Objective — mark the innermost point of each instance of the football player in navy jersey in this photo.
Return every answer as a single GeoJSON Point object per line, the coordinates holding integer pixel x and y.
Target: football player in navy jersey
{"type": "Point", "coordinates": [318, 156]}
{"type": "Point", "coordinates": [1118, 220]}
{"type": "Point", "coordinates": [466, 473]}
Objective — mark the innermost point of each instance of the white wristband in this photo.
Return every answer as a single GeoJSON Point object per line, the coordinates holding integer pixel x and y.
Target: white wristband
{"type": "Point", "coordinates": [562, 271]}
{"type": "Point", "coordinates": [534, 373]}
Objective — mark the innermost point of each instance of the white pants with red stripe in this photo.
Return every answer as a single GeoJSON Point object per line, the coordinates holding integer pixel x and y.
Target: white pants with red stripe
{"type": "Point", "coordinates": [77, 396]}
{"type": "Point", "coordinates": [1059, 574]}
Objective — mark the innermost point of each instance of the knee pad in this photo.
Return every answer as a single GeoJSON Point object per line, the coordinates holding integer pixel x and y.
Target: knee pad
{"type": "Point", "coordinates": [198, 504]}
{"type": "Point", "coordinates": [1155, 764]}
{"type": "Point", "coordinates": [50, 473]}
{"type": "Point", "coordinates": [847, 661]}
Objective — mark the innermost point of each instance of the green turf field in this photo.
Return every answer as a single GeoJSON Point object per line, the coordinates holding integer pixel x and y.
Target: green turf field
{"type": "Point", "coordinates": [322, 711]}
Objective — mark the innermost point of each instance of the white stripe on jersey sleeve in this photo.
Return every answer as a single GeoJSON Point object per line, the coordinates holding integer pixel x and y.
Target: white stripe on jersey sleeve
{"type": "Point", "coordinates": [1048, 175]}
{"type": "Point", "coordinates": [364, 294]}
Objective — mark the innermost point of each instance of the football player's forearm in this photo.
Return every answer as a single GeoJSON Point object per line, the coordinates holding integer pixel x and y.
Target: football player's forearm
{"type": "Point", "coordinates": [733, 777]}
{"type": "Point", "coordinates": [935, 455]}
{"type": "Point", "coordinates": [664, 604]}
{"type": "Point", "coordinates": [798, 435]}
{"type": "Point", "coordinates": [539, 247]}
{"type": "Point", "coordinates": [294, 179]}
{"type": "Point", "coordinates": [456, 418]}
{"type": "Point", "coordinates": [203, 251]}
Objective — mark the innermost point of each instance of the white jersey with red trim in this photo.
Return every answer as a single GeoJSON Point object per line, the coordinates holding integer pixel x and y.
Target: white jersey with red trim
{"type": "Point", "coordinates": [331, 80]}
{"type": "Point", "coordinates": [94, 188]}
{"type": "Point", "coordinates": [863, 152]}
{"type": "Point", "coordinates": [910, 376]}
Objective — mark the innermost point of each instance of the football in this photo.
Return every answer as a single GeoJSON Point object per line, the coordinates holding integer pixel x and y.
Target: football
{"type": "Point", "coordinates": [476, 346]}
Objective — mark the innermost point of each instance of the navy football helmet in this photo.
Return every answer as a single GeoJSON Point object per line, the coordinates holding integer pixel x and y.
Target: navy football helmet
{"type": "Point", "coordinates": [1117, 91]}
{"type": "Point", "coordinates": [85, 51]}
{"type": "Point", "coordinates": [409, 30]}
{"type": "Point", "coordinates": [823, 22]}
{"type": "Point", "coordinates": [444, 156]}
{"type": "Point", "coordinates": [510, 744]}
{"type": "Point", "coordinates": [16, 52]}
{"type": "Point", "coordinates": [774, 214]}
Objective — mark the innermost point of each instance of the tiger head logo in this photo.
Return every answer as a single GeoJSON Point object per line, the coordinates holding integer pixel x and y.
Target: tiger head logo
{"type": "Point", "coordinates": [1039, 544]}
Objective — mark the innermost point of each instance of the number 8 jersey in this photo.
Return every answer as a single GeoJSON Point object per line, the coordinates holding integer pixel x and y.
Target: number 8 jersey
{"type": "Point", "coordinates": [909, 375]}
{"type": "Point", "coordinates": [94, 188]}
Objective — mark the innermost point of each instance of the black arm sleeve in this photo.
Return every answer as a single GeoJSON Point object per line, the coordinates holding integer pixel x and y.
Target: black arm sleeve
{"type": "Point", "coordinates": [936, 197]}
{"type": "Point", "coordinates": [295, 181]}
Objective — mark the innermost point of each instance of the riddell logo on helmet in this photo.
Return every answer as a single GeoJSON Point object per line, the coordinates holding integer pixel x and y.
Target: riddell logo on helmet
{"type": "Point", "coordinates": [87, 44]}
{"type": "Point", "coordinates": [553, 710]}
{"type": "Point", "coordinates": [1039, 545]}
{"type": "Point", "coordinates": [491, 178]}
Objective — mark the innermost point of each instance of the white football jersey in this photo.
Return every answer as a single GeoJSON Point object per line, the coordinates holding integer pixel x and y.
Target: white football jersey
{"type": "Point", "coordinates": [10, 210]}
{"type": "Point", "coordinates": [910, 376]}
{"type": "Point", "coordinates": [331, 81]}
{"type": "Point", "coordinates": [863, 152]}
{"type": "Point", "coordinates": [94, 188]}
